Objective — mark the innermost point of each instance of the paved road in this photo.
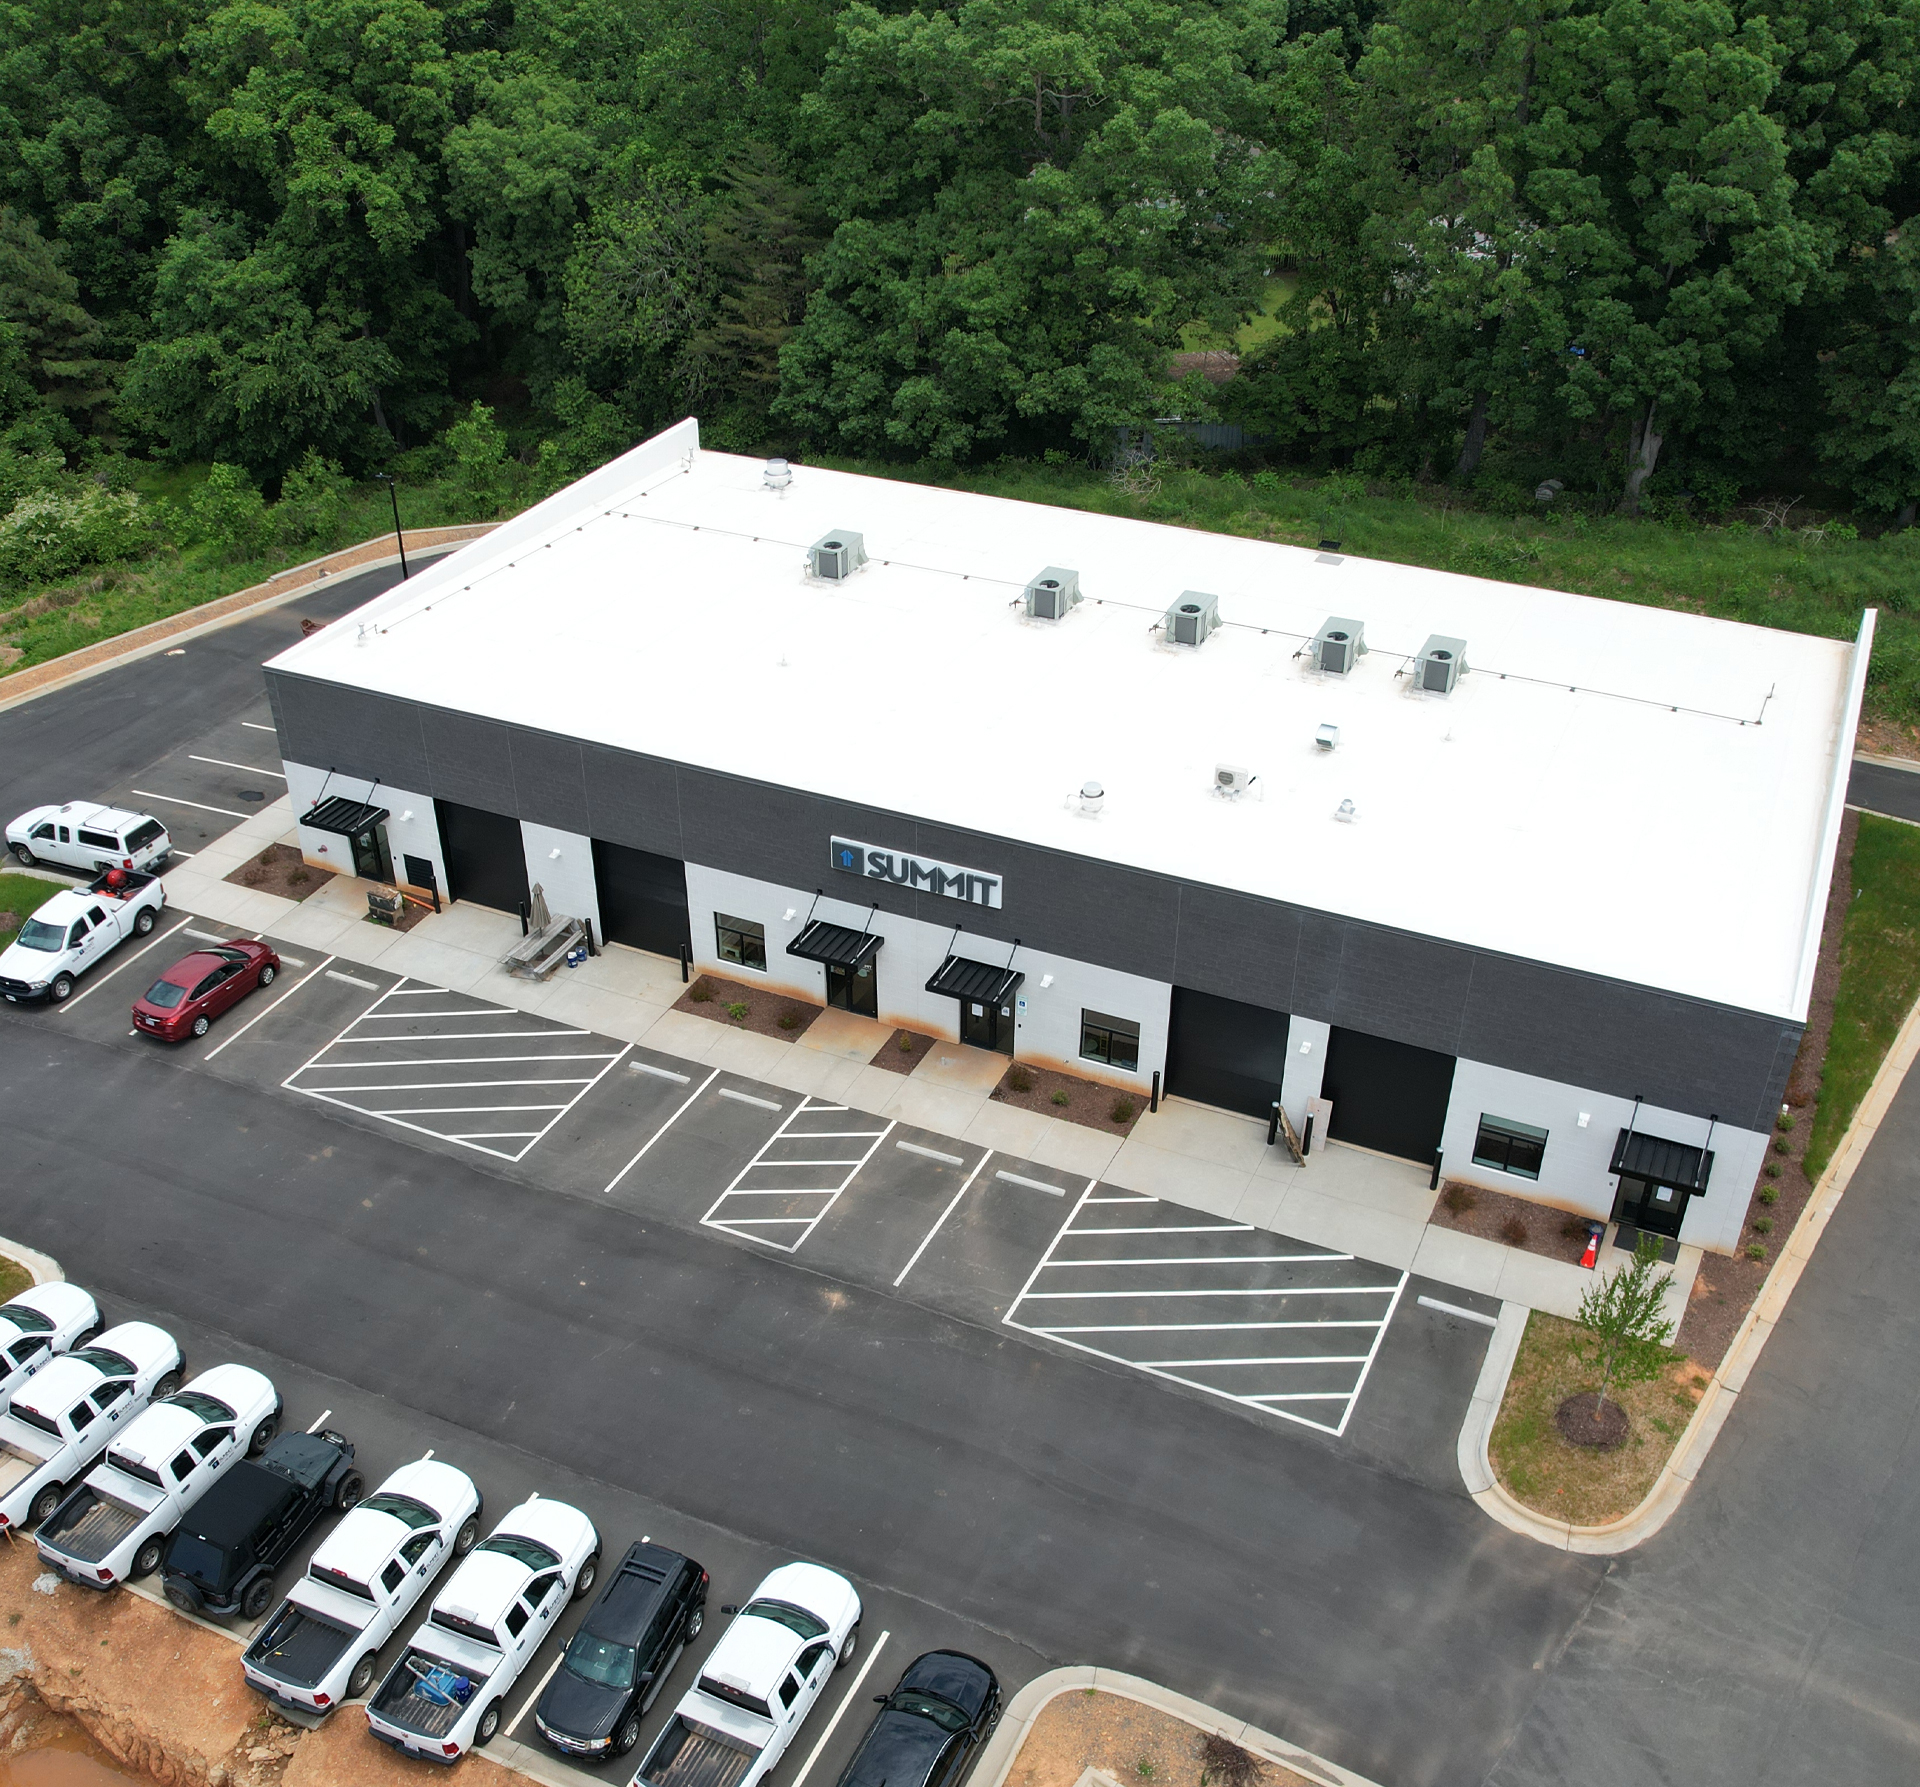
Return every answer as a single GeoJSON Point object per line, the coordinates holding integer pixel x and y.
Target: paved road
{"type": "Point", "coordinates": [1883, 790]}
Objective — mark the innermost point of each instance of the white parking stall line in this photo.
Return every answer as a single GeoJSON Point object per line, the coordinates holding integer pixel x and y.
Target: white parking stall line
{"type": "Point", "coordinates": [927, 1238]}
{"type": "Point", "coordinates": [128, 963]}
{"type": "Point", "coordinates": [662, 1130]}
{"type": "Point", "coordinates": [462, 1110]}
{"type": "Point", "coordinates": [256, 725]}
{"type": "Point", "coordinates": [199, 806]}
{"type": "Point", "coordinates": [454, 1060]}
{"type": "Point", "coordinates": [222, 763]}
{"type": "Point", "coordinates": [417, 993]}
{"type": "Point", "coordinates": [830, 1194]}
{"type": "Point", "coordinates": [1133, 1198]}
{"type": "Point", "coordinates": [1275, 1287]}
{"type": "Point", "coordinates": [380, 1042]}
{"type": "Point", "coordinates": [409, 1017]}
{"type": "Point", "coordinates": [226, 1041]}
{"type": "Point", "coordinates": [460, 1085]}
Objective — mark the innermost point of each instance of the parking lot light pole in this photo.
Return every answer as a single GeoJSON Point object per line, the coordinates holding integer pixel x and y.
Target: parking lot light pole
{"type": "Point", "coordinates": [399, 537]}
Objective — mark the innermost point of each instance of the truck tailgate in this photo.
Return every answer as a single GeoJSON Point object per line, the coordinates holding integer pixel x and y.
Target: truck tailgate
{"type": "Point", "coordinates": [688, 1756]}
{"type": "Point", "coordinates": [299, 1647]}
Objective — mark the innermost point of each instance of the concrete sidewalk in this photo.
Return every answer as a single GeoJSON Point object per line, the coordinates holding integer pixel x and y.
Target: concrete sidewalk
{"type": "Point", "coordinates": [1343, 1198]}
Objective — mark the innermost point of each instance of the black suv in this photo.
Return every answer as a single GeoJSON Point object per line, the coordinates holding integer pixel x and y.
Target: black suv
{"type": "Point", "coordinates": [651, 1609]}
{"type": "Point", "coordinates": [223, 1554]}
{"type": "Point", "coordinates": [935, 1721]}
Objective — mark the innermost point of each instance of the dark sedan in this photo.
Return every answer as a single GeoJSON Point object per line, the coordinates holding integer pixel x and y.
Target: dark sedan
{"type": "Point", "coordinates": [186, 999]}
{"type": "Point", "coordinates": [932, 1727]}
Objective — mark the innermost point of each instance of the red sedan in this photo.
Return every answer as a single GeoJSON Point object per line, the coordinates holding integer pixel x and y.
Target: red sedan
{"type": "Point", "coordinates": [198, 988]}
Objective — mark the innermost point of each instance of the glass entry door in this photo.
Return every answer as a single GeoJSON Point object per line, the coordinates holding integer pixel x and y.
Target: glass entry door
{"type": "Point", "coordinates": [1645, 1205]}
{"type": "Point", "coordinates": [987, 1026]}
{"type": "Point", "coordinates": [854, 989]}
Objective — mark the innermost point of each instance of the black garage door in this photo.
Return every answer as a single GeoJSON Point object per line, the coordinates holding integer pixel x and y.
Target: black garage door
{"type": "Point", "coordinates": [643, 898]}
{"type": "Point", "coordinates": [1388, 1096]}
{"type": "Point", "coordinates": [1222, 1052]}
{"type": "Point", "coordinates": [486, 860]}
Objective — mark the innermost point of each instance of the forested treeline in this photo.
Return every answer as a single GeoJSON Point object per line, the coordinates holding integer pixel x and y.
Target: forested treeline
{"type": "Point", "coordinates": [1654, 248]}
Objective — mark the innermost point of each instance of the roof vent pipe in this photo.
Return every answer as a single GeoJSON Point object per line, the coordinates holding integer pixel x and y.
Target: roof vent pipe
{"type": "Point", "coordinates": [778, 474]}
{"type": "Point", "coordinates": [1091, 798]}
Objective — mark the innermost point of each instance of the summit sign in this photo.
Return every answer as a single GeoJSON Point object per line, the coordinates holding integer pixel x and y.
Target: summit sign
{"type": "Point", "coordinates": [917, 872]}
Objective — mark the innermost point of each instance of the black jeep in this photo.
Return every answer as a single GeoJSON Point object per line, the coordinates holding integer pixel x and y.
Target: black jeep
{"type": "Point", "coordinates": [223, 1554]}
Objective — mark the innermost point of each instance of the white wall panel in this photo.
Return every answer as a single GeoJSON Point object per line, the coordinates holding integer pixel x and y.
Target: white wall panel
{"type": "Point", "coordinates": [566, 879]}
{"type": "Point", "coordinates": [412, 828]}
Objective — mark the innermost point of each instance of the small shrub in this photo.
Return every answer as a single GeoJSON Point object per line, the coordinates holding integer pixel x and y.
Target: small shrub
{"type": "Point", "coordinates": [738, 1011]}
{"type": "Point", "coordinates": [1769, 1194]}
{"type": "Point", "coordinates": [906, 1045]}
{"type": "Point", "coordinates": [788, 1020]}
{"type": "Point", "coordinates": [312, 496]}
{"type": "Point", "coordinates": [1223, 1760]}
{"type": "Point", "coordinates": [1019, 1080]}
{"type": "Point", "coordinates": [1514, 1232]}
{"type": "Point", "coordinates": [1458, 1198]}
{"type": "Point", "coordinates": [299, 877]}
{"type": "Point", "coordinates": [228, 512]}
{"type": "Point", "coordinates": [1784, 1120]}
{"type": "Point", "coordinates": [699, 993]}
{"type": "Point", "coordinates": [1780, 1148]}
{"type": "Point", "coordinates": [254, 876]}
{"type": "Point", "coordinates": [1756, 1251]}
{"type": "Point", "coordinates": [1773, 1169]}
{"type": "Point", "coordinates": [1123, 1110]}
{"type": "Point", "coordinates": [1143, 1767]}
{"type": "Point", "coordinates": [265, 858]}
{"type": "Point", "coordinates": [1762, 1225]}
{"type": "Point", "coordinates": [1060, 1098]}
{"type": "Point", "coordinates": [1574, 1228]}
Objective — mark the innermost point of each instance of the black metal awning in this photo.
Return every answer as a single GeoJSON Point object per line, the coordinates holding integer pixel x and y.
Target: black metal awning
{"type": "Point", "coordinates": [1661, 1162]}
{"type": "Point", "coordinates": [835, 945]}
{"type": "Point", "coordinates": [982, 982]}
{"type": "Point", "coordinates": [344, 816]}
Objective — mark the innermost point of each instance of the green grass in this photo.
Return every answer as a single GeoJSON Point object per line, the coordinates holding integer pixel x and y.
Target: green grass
{"type": "Point", "coordinates": [20, 897]}
{"type": "Point", "coordinates": [14, 1278]}
{"type": "Point", "coordinates": [1261, 326]}
{"type": "Point", "coordinates": [1879, 976]}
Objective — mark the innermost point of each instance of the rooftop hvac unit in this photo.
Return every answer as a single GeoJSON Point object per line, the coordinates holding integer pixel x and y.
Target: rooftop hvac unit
{"type": "Point", "coordinates": [1338, 646]}
{"type": "Point", "coordinates": [1230, 780]}
{"type": "Point", "coordinates": [836, 557]}
{"type": "Point", "coordinates": [1441, 663]}
{"type": "Point", "coordinates": [1050, 595]}
{"type": "Point", "coordinates": [1192, 618]}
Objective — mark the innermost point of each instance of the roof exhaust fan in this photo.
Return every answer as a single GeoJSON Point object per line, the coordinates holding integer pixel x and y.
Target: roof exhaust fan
{"type": "Point", "coordinates": [1191, 619]}
{"type": "Point", "coordinates": [1338, 646]}
{"type": "Point", "coordinates": [1441, 663]}
{"type": "Point", "coordinates": [836, 557]}
{"type": "Point", "coordinates": [1053, 594]}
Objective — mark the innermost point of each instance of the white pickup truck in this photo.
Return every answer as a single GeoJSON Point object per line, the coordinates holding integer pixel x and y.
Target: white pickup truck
{"type": "Point", "coordinates": [87, 836]}
{"type": "Point", "coordinates": [448, 1691]}
{"type": "Point", "coordinates": [63, 1417]}
{"type": "Point", "coordinates": [115, 1525]}
{"type": "Point", "coordinates": [74, 929]}
{"type": "Point", "coordinates": [323, 1641]}
{"type": "Point", "coordinates": [39, 1325]}
{"type": "Point", "coordinates": [759, 1683]}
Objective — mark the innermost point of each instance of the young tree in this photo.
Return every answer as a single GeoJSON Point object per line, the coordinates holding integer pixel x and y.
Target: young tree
{"type": "Point", "coordinates": [1623, 1334]}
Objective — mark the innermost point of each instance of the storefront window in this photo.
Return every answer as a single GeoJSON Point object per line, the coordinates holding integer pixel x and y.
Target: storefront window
{"type": "Point", "coordinates": [740, 940]}
{"type": "Point", "coordinates": [1516, 1148]}
{"type": "Point", "coordinates": [1116, 1041]}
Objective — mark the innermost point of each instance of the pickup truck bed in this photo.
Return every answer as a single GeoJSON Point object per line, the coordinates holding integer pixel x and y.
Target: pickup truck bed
{"type": "Point", "coordinates": [299, 1647]}
{"type": "Point", "coordinates": [93, 1525]}
{"type": "Point", "coordinates": [401, 1703]}
{"type": "Point", "coordinates": [691, 1755]}
{"type": "Point", "coordinates": [15, 1467]}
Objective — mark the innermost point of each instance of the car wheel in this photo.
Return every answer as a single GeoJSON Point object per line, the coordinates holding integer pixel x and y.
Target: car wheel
{"type": "Point", "coordinates": [362, 1677]}
{"type": "Point", "coordinates": [848, 1646]}
{"type": "Point", "coordinates": [43, 1504]}
{"type": "Point", "coordinates": [695, 1621]}
{"type": "Point", "coordinates": [147, 1559]}
{"type": "Point", "coordinates": [183, 1594]}
{"type": "Point", "coordinates": [266, 975]}
{"type": "Point", "coordinates": [143, 921]}
{"type": "Point", "coordinates": [26, 857]}
{"type": "Point", "coordinates": [166, 1386]}
{"type": "Point", "coordinates": [202, 1024]}
{"type": "Point", "coordinates": [627, 1736]}
{"type": "Point", "coordinates": [61, 988]}
{"type": "Point", "coordinates": [263, 1435]}
{"type": "Point", "coordinates": [489, 1724]}
{"type": "Point", "coordinates": [352, 1487]}
{"type": "Point", "coordinates": [464, 1538]}
{"type": "Point", "coordinates": [583, 1586]}
{"type": "Point", "coordinates": [258, 1598]}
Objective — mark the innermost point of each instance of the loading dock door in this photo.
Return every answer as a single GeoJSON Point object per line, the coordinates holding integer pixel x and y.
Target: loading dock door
{"type": "Point", "coordinates": [486, 860]}
{"type": "Point", "coordinates": [1223, 1052]}
{"type": "Point", "coordinates": [1388, 1096]}
{"type": "Point", "coordinates": [643, 898]}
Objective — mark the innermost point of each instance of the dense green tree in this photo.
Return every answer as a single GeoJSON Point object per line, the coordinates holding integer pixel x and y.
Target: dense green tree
{"type": "Point", "coordinates": [52, 354]}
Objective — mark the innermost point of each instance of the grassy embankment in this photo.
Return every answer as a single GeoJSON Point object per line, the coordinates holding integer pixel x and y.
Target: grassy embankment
{"type": "Point", "coordinates": [20, 897]}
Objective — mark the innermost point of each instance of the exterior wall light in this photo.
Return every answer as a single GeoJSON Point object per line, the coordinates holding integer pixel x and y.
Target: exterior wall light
{"type": "Point", "coordinates": [553, 855]}
{"type": "Point", "coordinates": [1345, 812]}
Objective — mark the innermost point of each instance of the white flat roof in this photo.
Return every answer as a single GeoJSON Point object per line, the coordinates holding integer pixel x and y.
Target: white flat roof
{"type": "Point", "coordinates": [1587, 796]}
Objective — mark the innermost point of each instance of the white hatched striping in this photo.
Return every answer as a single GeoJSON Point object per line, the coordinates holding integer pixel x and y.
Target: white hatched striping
{"type": "Point", "coordinates": [358, 1083]}
{"type": "Point", "coordinates": [1274, 1296]}
{"type": "Point", "coordinates": [773, 1175]}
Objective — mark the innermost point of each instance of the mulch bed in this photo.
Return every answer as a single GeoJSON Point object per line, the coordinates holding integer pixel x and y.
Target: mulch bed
{"type": "Point", "coordinates": [1496, 1216]}
{"type": "Point", "coordinates": [1586, 1421]}
{"type": "Point", "coordinates": [1728, 1284]}
{"type": "Point", "coordinates": [722, 1000]}
{"type": "Point", "coordinates": [280, 869]}
{"type": "Point", "coordinates": [903, 1051]}
{"type": "Point", "coordinates": [1138, 1746]}
{"type": "Point", "coordinates": [1062, 1095]}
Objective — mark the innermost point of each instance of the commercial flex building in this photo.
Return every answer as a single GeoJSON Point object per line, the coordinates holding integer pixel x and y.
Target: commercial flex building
{"type": "Point", "coordinates": [1531, 880]}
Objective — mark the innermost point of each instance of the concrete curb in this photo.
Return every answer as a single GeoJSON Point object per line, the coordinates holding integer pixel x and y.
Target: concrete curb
{"type": "Point", "coordinates": [1723, 1392]}
{"type": "Point", "coordinates": [45, 1268]}
{"type": "Point", "coordinates": [189, 623]}
{"type": "Point", "coordinates": [1003, 1748]}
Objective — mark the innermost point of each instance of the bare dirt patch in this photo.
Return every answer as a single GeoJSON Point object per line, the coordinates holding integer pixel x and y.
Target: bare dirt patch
{"type": "Point", "coordinates": [280, 869]}
{"type": "Point", "coordinates": [743, 1007]}
{"type": "Point", "coordinates": [1496, 1216]}
{"type": "Point", "coordinates": [1135, 1745]}
{"type": "Point", "coordinates": [1063, 1095]}
{"type": "Point", "coordinates": [903, 1051]}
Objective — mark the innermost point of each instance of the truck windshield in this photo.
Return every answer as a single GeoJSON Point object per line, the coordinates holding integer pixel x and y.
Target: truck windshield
{"type": "Point", "coordinates": [27, 1321]}
{"type": "Point", "coordinates": [166, 994]}
{"type": "Point", "coordinates": [926, 1706]}
{"type": "Point", "coordinates": [527, 1551]}
{"type": "Point", "coordinates": [783, 1613]}
{"type": "Point", "coordinates": [601, 1660]}
{"type": "Point", "coordinates": [35, 935]}
{"type": "Point", "coordinates": [403, 1508]}
{"type": "Point", "coordinates": [105, 1361]}
{"type": "Point", "coordinates": [198, 1402]}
